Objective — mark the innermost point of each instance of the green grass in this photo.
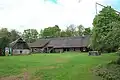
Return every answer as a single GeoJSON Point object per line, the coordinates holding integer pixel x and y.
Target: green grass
{"type": "Point", "coordinates": [67, 66]}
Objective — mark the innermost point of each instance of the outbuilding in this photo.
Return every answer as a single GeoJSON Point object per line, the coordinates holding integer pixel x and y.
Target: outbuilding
{"type": "Point", "coordinates": [19, 46]}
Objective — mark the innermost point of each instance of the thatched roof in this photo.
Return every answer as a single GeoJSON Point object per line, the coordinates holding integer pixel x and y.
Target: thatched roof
{"type": "Point", "coordinates": [64, 42]}
{"type": "Point", "coordinates": [19, 40]}
{"type": "Point", "coordinates": [39, 43]}
{"type": "Point", "coordinates": [13, 43]}
{"type": "Point", "coordinates": [70, 42]}
{"type": "Point", "coordinates": [57, 43]}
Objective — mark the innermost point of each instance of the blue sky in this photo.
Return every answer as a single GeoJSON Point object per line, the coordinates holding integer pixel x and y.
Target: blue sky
{"type": "Point", "coordinates": [38, 14]}
{"type": "Point", "coordinates": [114, 3]}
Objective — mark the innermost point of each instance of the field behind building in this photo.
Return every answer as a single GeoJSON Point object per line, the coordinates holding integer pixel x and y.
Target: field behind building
{"type": "Point", "coordinates": [67, 66]}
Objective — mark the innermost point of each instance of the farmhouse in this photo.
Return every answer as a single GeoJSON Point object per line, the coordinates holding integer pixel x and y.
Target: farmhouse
{"type": "Point", "coordinates": [19, 47]}
{"type": "Point", "coordinates": [61, 44]}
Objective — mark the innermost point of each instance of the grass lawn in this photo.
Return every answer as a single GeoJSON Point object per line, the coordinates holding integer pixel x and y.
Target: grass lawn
{"type": "Point", "coordinates": [67, 66]}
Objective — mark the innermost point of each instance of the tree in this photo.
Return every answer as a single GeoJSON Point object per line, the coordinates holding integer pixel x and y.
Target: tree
{"type": "Point", "coordinates": [51, 32]}
{"type": "Point", "coordinates": [14, 35]}
{"type": "Point", "coordinates": [101, 28]}
{"type": "Point", "coordinates": [4, 39]}
{"type": "Point", "coordinates": [112, 40]}
{"type": "Point", "coordinates": [41, 33]}
{"type": "Point", "coordinates": [87, 31]}
{"type": "Point", "coordinates": [63, 34]}
{"type": "Point", "coordinates": [30, 35]}
{"type": "Point", "coordinates": [71, 30]}
{"type": "Point", "coordinates": [80, 30]}
{"type": "Point", "coordinates": [5, 33]}
{"type": "Point", "coordinates": [34, 34]}
{"type": "Point", "coordinates": [57, 31]}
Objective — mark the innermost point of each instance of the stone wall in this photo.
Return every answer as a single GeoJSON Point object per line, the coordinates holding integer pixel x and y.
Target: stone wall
{"type": "Point", "coordinates": [20, 51]}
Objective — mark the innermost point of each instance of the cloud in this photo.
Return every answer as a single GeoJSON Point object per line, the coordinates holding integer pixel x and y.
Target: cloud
{"type": "Point", "coordinates": [24, 14]}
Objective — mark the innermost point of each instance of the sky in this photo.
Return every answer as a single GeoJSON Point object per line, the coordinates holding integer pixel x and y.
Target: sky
{"type": "Point", "coordinates": [39, 14]}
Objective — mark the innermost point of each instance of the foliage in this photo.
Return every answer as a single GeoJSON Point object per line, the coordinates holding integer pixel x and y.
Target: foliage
{"type": "Point", "coordinates": [68, 66]}
{"type": "Point", "coordinates": [41, 34]}
{"type": "Point", "coordinates": [5, 33]}
{"type": "Point", "coordinates": [30, 35]}
{"type": "Point", "coordinates": [87, 31]}
{"type": "Point", "coordinates": [10, 35]}
{"type": "Point", "coordinates": [112, 40]}
{"type": "Point", "coordinates": [118, 61]}
{"type": "Point", "coordinates": [14, 35]}
{"type": "Point", "coordinates": [70, 31]}
{"type": "Point", "coordinates": [118, 52]}
{"type": "Point", "coordinates": [110, 71]}
{"type": "Point", "coordinates": [63, 34]}
{"type": "Point", "coordinates": [5, 36]}
{"type": "Point", "coordinates": [4, 41]}
{"type": "Point", "coordinates": [51, 32]}
{"type": "Point", "coordinates": [80, 30]}
{"type": "Point", "coordinates": [104, 24]}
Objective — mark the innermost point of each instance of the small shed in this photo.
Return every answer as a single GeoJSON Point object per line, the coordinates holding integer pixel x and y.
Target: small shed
{"type": "Point", "coordinates": [19, 46]}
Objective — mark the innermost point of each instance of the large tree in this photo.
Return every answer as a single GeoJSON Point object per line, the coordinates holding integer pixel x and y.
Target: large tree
{"type": "Point", "coordinates": [14, 35]}
{"type": "Point", "coordinates": [101, 28]}
{"type": "Point", "coordinates": [4, 32]}
{"type": "Point", "coordinates": [4, 39]}
{"type": "Point", "coordinates": [51, 32]}
{"type": "Point", "coordinates": [112, 40]}
{"type": "Point", "coordinates": [80, 30]}
{"type": "Point", "coordinates": [30, 35]}
{"type": "Point", "coordinates": [71, 30]}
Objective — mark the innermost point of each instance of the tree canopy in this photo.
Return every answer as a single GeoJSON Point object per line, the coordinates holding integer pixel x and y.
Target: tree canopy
{"type": "Point", "coordinates": [14, 35]}
{"type": "Point", "coordinates": [104, 24]}
{"type": "Point", "coordinates": [30, 35]}
{"type": "Point", "coordinates": [51, 32]}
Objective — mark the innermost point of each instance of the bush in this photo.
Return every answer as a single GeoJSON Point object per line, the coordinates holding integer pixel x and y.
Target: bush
{"type": "Point", "coordinates": [115, 62]}
{"type": "Point", "coordinates": [118, 61]}
{"type": "Point", "coordinates": [118, 52]}
{"type": "Point", "coordinates": [108, 72]}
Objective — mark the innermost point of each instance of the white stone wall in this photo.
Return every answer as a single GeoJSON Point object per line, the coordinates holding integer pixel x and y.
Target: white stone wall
{"type": "Point", "coordinates": [17, 51]}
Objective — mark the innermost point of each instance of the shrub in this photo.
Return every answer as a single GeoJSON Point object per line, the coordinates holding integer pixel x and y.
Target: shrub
{"type": "Point", "coordinates": [118, 61]}
{"type": "Point", "coordinates": [118, 52]}
{"type": "Point", "coordinates": [108, 72]}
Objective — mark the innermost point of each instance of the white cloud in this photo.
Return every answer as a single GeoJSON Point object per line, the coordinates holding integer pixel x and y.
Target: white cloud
{"type": "Point", "coordinates": [23, 14]}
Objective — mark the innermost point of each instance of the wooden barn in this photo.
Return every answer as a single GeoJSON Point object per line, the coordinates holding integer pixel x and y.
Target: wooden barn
{"type": "Point", "coordinates": [19, 47]}
{"type": "Point", "coordinates": [61, 44]}
{"type": "Point", "coordinates": [39, 45]}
